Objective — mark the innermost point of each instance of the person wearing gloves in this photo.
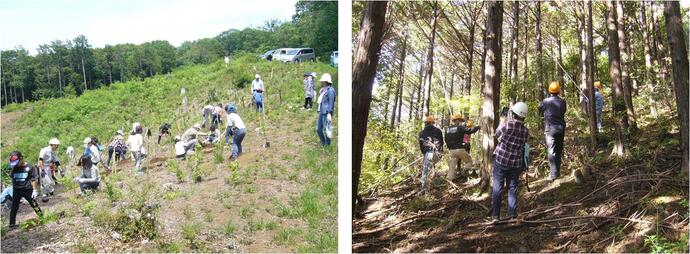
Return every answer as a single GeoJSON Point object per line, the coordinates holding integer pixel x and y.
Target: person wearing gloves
{"type": "Point", "coordinates": [136, 145]}
{"type": "Point", "coordinates": [257, 92]}
{"type": "Point", "coordinates": [89, 178]}
{"type": "Point", "coordinates": [509, 160]}
{"type": "Point", "coordinates": [325, 108]}
{"type": "Point", "coordinates": [237, 129]}
{"type": "Point", "coordinates": [47, 163]}
{"type": "Point", "coordinates": [190, 139]}
{"type": "Point", "coordinates": [24, 184]}
{"type": "Point", "coordinates": [117, 147]}
{"type": "Point", "coordinates": [91, 151]}
{"type": "Point", "coordinates": [309, 89]}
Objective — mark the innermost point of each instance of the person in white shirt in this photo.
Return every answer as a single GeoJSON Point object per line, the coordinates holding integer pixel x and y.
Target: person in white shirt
{"type": "Point", "coordinates": [135, 143]}
{"type": "Point", "coordinates": [217, 114]}
{"type": "Point", "coordinates": [189, 137]}
{"type": "Point", "coordinates": [47, 163]}
{"type": "Point", "coordinates": [257, 93]}
{"type": "Point", "coordinates": [237, 129]}
{"type": "Point", "coordinates": [180, 151]}
{"type": "Point", "coordinates": [91, 151]}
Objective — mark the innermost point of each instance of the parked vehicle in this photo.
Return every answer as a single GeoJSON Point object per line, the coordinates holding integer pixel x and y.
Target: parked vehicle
{"type": "Point", "coordinates": [279, 53]}
{"type": "Point", "coordinates": [268, 55]}
{"type": "Point", "coordinates": [334, 59]}
{"type": "Point", "coordinates": [297, 55]}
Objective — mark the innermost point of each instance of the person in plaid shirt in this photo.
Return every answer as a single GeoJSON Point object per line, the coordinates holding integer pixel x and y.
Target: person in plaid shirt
{"type": "Point", "coordinates": [508, 159]}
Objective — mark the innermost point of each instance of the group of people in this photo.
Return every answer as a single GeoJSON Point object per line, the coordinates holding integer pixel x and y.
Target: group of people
{"type": "Point", "coordinates": [26, 178]}
{"type": "Point", "coordinates": [511, 155]}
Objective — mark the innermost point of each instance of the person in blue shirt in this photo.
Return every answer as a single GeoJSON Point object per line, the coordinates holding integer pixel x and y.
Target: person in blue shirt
{"type": "Point", "coordinates": [554, 109]}
{"type": "Point", "coordinates": [598, 102]}
{"type": "Point", "coordinates": [325, 108]}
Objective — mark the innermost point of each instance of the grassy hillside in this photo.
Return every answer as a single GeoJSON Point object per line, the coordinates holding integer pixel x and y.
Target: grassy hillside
{"type": "Point", "coordinates": [280, 198]}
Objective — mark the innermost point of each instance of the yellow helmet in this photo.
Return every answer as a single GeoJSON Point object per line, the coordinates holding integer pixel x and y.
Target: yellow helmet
{"type": "Point", "coordinates": [429, 119]}
{"type": "Point", "coordinates": [456, 117]}
{"type": "Point", "coordinates": [554, 87]}
{"type": "Point", "coordinates": [597, 85]}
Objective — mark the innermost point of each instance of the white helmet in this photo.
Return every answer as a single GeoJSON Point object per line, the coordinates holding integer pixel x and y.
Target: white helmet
{"type": "Point", "coordinates": [120, 132]}
{"type": "Point", "coordinates": [257, 76]}
{"type": "Point", "coordinates": [313, 74]}
{"type": "Point", "coordinates": [520, 109]}
{"type": "Point", "coordinates": [87, 140]}
{"type": "Point", "coordinates": [326, 78]}
{"type": "Point", "coordinates": [177, 138]}
{"type": "Point", "coordinates": [54, 141]}
{"type": "Point", "coordinates": [196, 126]}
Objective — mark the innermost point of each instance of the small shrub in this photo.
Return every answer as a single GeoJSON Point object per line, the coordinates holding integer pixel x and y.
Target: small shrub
{"type": "Point", "coordinates": [245, 212]}
{"type": "Point", "coordinates": [229, 228]}
{"type": "Point", "coordinates": [82, 247]}
{"type": "Point", "coordinates": [189, 233]}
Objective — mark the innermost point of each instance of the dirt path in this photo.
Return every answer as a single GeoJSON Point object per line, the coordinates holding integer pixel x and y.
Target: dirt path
{"type": "Point", "coordinates": [7, 120]}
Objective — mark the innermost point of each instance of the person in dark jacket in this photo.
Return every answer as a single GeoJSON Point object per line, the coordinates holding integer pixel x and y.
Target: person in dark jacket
{"type": "Point", "coordinates": [457, 146]}
{"type": "Point", "coordinates": [24, 185]}
{"type": "Point", "coordinates": [509, 159]}
{"type": "Point", "coordinates": [431, 145]}
{"type": "Point", "coordinates": [554, 128]}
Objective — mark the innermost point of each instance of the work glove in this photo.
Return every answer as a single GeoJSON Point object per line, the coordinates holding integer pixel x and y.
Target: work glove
{"type": "Point", "coordinates": [76, 179]}
{"type": "Point", "coordinates": [34, 194]}
{"type": "Point", "coordinates": [62, 173]}
{"type": "Point", "coordinates": [329, 118]}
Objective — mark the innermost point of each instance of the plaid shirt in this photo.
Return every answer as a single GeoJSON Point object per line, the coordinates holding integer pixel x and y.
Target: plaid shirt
{"type": "Point", "coordinates": [512, 137]}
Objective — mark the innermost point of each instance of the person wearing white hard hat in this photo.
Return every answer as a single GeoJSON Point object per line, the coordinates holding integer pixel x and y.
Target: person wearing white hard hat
{"type": "Point", "coordinates": [325, 108]}
{"type": "Point", "coordinates": [309, 89]}
{"type": "Point", "coordinates": [509, 159]}
{"type": "Point", "coordinates": [135, 142]}
{"type": "Point", "coordinates": [47, 163]}
{"type": "Point", "coordinates": [190, 139]}
{"type": "Point", "coordinates": [91, 151]}
{"type": "Point", "coordinates": [258, 92]}
{"type": "Point", "coordinates": [117, 147]}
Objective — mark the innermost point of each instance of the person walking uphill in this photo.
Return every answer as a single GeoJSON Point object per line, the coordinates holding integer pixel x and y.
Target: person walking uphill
{"type": "Point", "coordinates": [509, 159]}
{"type": "Point", "coordinates": [309, 89]}
{"type": "Point", "coordinates": [554, 128]}
{"type": "Point", "coordinates": [136, 145]}
{"type": "Point", "coordinates": [117, 147]}
{"type": "Point", "coordinates": [458, 148]}
{"type": "Point", "coordinates": [24, 184]}
{"type": "Point", "coordinates": [431, 145]}
{"type": "Point", "coordinates": [325, 108]}
{"type": "Point", "coordinates": [91, 151]}
{"type": "Point", "coordinates": [598, 103]}
{"type": "Point", "coordinates": [237, 129]}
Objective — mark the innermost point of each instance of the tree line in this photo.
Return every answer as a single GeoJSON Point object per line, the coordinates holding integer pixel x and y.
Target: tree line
{"type": "Point", "coordinates": [435, 57]}
{"type": "Point", "coordinates": [70, 67]}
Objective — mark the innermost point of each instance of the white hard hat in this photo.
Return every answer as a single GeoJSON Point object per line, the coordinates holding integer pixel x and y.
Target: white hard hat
{"type": "Point", "coordinates": [313, 74]}
{"type": "Point", "coordinates": [177, 138]}
{"type": "Point", "coordinates": [257, 76]}
{"type": "Point", "coordinates": [520, 109]}
{"type": "Point", "coordinates": [87, 140]}
{"type": "Point", "coordinates": [120, 132]}
{"type": "Point", "coordinates": [326, 78]}
{"type": "Point", "coordinates": [54, 141]}
{"type": "Point", "coordinates": [196, 126]}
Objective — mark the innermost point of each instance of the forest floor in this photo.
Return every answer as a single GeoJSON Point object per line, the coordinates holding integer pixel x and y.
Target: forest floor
{"type": "Point", "coordinates": [634, 204]}
{"type": "Point", "coordinates": [280, 198]}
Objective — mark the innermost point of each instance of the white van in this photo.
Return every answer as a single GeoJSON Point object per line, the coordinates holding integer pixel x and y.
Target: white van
{"type": "Point", "coordinates": [297, 55]}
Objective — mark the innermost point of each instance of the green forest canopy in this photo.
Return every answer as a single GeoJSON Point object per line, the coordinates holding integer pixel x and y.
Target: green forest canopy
{"type": "Point", "coordinates": [63, 68]}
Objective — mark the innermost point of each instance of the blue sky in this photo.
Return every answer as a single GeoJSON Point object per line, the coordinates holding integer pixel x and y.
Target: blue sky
{"type": "Point", "coordinates": [33, 22]}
